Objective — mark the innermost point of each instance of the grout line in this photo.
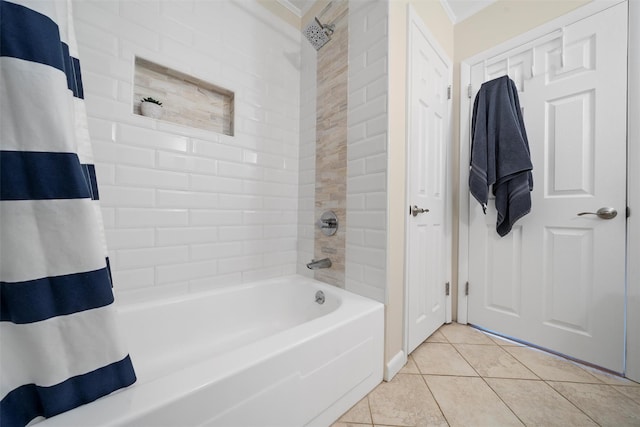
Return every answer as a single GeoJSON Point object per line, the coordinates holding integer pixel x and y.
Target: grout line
{"type": "Point", "coordinates": [415, 363]}
{"type": "Point", "coordinates": [435, 400]}
{"type": "Point", "coordinates": [521, 363]}
{"type": "Point", "coordinates": [451, 375]}
{"type": "Point", "coordinates": [569, 400]}
{"type": "Point", "coordinates": [505, 403]}
{"type": "Point", "coordinates": [369, 406]}
{"type": "Point", "coordinates": [489, 385]}
{"type": "Point", "coordinates": [465, 359]}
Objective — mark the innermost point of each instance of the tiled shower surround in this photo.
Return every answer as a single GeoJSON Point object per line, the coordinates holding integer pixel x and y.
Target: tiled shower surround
{"type": "Point", "coordinates": [351, 146]}
{"type": "Point", "coordinates": [367, 153]}
{"type": "Point", "coordinates": [185, 208]}
{"type": "Point", "coordinates": [188, 209]}
{"type": "Point", "coordinates": [366, 173]}
{"type": "Point", "coordinates": [331, 142]}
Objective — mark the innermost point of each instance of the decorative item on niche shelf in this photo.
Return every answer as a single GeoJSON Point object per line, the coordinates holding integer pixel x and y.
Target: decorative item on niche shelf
{"type": "Point", "coordinates": [151, 108]}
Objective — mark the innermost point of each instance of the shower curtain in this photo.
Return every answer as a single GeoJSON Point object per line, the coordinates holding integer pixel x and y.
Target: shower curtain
{"type": "Point", "coordinates": [59, 344]}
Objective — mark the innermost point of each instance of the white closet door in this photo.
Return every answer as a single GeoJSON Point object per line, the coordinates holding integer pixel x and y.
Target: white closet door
{"type": "Point", "coordinates": [558, 279]}
{"type": "Point", "coordinates": [428, 244]}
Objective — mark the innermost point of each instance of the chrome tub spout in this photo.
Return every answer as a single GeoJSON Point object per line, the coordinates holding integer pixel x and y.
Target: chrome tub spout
{"type": "Point", "coordinates": [316, 264]}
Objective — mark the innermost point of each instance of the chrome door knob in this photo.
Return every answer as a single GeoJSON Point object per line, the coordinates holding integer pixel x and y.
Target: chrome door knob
{"type": "Point", "coordinates": [415, 210]}
{"type": "Point", "coordinates": [602, 213]}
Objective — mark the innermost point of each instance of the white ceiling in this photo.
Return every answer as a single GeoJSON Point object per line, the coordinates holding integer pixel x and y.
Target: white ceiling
{"type": "Point", "coordinates": [457, 10]}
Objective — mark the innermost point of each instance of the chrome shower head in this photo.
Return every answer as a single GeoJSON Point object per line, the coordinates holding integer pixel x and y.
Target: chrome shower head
{"type": "Point", "coordinates": [318, 34]}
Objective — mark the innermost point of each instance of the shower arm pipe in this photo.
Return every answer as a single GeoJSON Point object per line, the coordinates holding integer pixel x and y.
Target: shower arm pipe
{"type": "Point", "coordinates": [327, 28]}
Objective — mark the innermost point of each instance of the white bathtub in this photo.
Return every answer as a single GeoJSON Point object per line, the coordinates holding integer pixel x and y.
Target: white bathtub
{"type": "Point", "coordinates": [261, 354]}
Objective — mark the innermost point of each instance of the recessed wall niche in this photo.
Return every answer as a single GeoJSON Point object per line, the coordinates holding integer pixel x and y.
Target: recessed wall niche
{"type": "Point", "coordinates": [186, 100]}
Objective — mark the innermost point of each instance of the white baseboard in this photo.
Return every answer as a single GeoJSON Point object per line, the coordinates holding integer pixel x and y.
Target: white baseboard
{"type": "Point", "coordinates": [394, 365]}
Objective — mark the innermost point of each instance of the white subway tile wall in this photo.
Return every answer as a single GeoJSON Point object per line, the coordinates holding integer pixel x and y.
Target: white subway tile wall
{"type": "Point", "coordinates": [366, 257]}
{"type": "Point", "coordinates": [184, 208]}
{"type": "Point", "coordinates": [307, 176]}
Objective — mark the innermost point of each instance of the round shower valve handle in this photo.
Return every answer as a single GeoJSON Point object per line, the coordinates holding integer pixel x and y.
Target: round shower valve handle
{"type": "Point", "coordinates": [415, 210]}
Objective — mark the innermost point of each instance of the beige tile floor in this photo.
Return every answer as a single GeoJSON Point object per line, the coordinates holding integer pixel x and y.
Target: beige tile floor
{"type": "Point", "coordinates": [463, 377]}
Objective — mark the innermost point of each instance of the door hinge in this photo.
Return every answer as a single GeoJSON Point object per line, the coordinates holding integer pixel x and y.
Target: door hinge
{"type": "Point", "coordinates": [628, 211]}
{"type": "Point", "coordinates": [449, 92]}
{"type": "Point", "coordinates": [469, 91]}
{"type": "Point", "coordinates": [447, 289]}
{"type": "Point", "coordinates": [466, 288]}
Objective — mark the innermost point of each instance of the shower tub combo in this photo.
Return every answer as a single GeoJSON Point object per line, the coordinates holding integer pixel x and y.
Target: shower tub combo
{"type": "Point", "coordinates": [283, 352]}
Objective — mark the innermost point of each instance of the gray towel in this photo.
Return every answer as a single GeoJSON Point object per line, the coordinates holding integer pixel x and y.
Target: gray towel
{"type": "Point", "coordinates": [500, 153]}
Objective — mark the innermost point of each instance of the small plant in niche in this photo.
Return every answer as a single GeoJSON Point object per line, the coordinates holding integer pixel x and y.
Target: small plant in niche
{"type": "Point", "coordinates": [150, 99]}
{"type": "Point", "coordinates": [151, 107]}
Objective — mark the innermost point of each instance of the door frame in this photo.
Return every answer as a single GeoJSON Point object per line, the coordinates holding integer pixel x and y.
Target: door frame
{"type": "Point", "coordinates": [414, 19]}
{"type": "Point", "coordinates": [633, 194]}
{"type": "Point", "coordinates": [632, 369]}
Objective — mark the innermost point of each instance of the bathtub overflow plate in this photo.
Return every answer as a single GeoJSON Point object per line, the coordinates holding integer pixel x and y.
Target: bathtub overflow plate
{"type": "Point", "coordinates": [320, 297]}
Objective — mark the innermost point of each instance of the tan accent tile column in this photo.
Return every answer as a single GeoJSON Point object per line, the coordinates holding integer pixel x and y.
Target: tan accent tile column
{"type": "Point", "coordinates": [331, 143]}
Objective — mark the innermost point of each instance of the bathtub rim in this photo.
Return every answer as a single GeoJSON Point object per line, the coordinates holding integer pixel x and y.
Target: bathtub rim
{"type": "Point", "coordinates": [148, 396]}
{"type": "Point", "coordinates": [148, 299]}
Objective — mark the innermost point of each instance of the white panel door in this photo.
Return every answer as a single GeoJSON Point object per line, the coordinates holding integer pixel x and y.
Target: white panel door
{"type": "Point", "coordinates": [428, 254]}
{"type": "Point", "coordinates": [557, 280]}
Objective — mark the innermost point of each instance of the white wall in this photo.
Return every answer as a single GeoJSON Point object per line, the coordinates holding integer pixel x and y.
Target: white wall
{"type": "Point", "coordinates": [366, 246]}
{"type": "Point", "coordinates": [187, 209]}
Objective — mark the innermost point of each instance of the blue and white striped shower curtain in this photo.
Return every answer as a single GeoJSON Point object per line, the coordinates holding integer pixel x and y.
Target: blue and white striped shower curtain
{"type": "Point", "coordinates": [59, 344]}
